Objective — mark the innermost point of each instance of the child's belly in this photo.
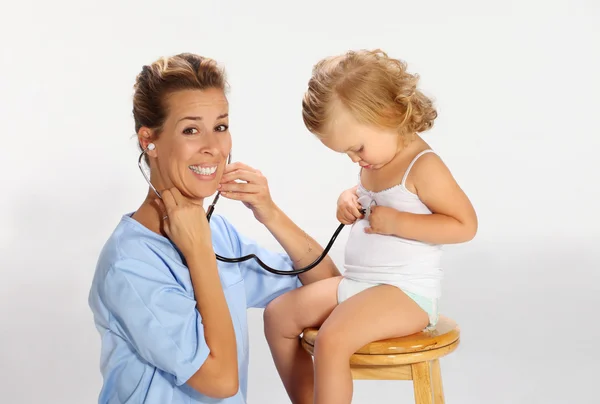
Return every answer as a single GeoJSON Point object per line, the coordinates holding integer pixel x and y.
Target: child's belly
{"type": "Point", "coordinates": [376, 253]}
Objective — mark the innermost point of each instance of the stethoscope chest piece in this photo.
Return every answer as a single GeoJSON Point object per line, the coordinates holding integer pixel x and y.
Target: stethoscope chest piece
{"type": "Point", "coordinates": [367, 211]}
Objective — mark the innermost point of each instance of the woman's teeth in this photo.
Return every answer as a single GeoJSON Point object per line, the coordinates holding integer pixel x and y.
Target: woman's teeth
{"type": "Point", "coordinates": [203, 170]}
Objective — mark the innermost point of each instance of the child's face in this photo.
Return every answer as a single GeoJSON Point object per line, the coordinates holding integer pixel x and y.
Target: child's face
{"type": "Point", "coordinates": [370, 146]}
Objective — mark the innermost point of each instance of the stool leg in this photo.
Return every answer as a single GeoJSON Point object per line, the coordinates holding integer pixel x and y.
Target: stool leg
{"type": "Point", "coordinates": [421, 374]}
{"type": "Point", "coordinates": [436, 379]}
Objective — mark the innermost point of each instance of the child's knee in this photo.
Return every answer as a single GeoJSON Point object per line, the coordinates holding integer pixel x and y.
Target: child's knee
{"type": "Point", "coordinates": [279, 320]}
{"type": "Point", "coordinates": [272, 312]}
{"type": "Point", "coordinates": [330, 344]}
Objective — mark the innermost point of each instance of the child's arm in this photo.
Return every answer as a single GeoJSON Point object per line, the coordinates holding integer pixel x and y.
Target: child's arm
{"type": "Point", "coordinates": [453, 219]}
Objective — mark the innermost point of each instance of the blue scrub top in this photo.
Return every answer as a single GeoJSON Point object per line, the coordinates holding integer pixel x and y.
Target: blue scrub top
{"type": "Point", "coordinates": [144, 308]}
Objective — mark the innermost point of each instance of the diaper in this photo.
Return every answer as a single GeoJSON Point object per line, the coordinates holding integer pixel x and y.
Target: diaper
{"type": "Point", "coordinates": [349, 287]}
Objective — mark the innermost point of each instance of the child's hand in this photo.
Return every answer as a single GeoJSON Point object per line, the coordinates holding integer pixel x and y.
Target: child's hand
{"type": "Point", "coordinates": [348, 206]}
{"type": "Point", "coordinates": [382, 220]}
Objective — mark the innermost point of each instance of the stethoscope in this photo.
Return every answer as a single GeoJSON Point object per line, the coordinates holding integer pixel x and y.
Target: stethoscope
{"type": "Point", "coordinates": [210, 211]}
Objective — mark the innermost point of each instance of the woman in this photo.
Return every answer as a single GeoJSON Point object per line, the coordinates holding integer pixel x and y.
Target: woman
{"type": "Point", "coordinates": [172, 319]}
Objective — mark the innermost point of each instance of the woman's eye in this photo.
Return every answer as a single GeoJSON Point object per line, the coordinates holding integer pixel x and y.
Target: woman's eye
{"type": "Point", "coordinates": [190, 131]}
{"type": "Point", "coordinates": [222, 128]}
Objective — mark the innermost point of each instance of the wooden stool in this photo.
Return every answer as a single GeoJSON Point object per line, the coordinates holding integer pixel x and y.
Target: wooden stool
{"type": "Point", "coordinates": [414, 357]}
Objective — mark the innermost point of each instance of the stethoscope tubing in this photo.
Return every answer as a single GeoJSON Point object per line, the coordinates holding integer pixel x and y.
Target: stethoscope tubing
{"type": "Point", "coordinates": [266, 267]}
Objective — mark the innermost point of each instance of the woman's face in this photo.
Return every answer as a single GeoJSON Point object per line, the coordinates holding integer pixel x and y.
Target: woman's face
{"type": "Point", "coordinates": [191, 151]}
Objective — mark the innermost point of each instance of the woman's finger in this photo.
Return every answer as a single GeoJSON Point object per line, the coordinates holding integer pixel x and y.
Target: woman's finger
{"type": "Point", "coordinates": [168, 200]}
{"type": "Point", "coordinates": [161, 207]}
{"type": "Point", "coordinates": [238, 166]}
{"type": "Point", "coordinates": [241, 174]}
{"type": "Point", "coordinates": [240, 196]}
{"type": "Point", "coordinates": [244, 175]}
{"type": "Point", "coordinates": [246, 187]}
{"type": "Point", "coordinates": [180, 199]}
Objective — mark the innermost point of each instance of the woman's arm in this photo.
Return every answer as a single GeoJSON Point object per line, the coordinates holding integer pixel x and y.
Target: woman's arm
{"type": "Point", "coordinates": [188, 228]}
{"type": "Point", "coordinates": [164, 323]}
{"type": "Point", "coordinates": [300, 247]}
{"type": "Point", "coordinates": [254, 192]}
{"type": "Point", "coordinates": [218, 376]}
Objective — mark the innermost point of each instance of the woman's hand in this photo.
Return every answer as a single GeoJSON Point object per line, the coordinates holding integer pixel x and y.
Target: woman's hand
{"type": "Point", "coordinates": [348, 208]}
{"type": "Point", "coordinates": [253, 191]}
{"type": "Point", "coordinates": [185, 221]}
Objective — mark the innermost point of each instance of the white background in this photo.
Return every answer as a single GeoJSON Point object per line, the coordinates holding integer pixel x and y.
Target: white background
{"type": "Point", "coordinates": [517, 88]}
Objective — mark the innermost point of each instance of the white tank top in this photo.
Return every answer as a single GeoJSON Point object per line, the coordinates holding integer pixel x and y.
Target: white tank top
{"type": "Point", "coordinates": [411, 265]}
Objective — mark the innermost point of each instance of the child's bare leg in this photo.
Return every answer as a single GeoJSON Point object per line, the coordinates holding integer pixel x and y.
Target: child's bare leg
{"type": "Point", "coordinates": [377, 313]}
{"type": "Point", "coordinates": [285, 318]}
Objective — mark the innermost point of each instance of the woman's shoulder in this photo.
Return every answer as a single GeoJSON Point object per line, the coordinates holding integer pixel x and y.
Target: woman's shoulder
{"type": "Point", "coordinates": [131, 239]}
{"type": "Point", "coordinates": [131, 244]}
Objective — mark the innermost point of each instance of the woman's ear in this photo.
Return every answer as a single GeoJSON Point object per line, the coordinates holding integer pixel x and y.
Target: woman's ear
{"type": "Point", "coordinates": [145, 137]}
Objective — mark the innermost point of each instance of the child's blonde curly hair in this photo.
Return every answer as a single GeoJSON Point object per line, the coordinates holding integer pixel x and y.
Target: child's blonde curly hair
{"type": "Point", "coordinates": [375, 88]}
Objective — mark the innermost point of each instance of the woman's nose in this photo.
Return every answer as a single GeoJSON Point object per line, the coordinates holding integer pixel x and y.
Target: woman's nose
{"type": "Point", "coordinates": [211, 145]}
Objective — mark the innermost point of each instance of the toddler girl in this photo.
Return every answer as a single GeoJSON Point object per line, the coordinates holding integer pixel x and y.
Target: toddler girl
{"type": "Point", "coordinates": [367, 105]}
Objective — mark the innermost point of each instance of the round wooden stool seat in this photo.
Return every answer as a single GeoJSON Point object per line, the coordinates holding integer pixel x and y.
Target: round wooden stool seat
{"type": "Point", "coordinates": [413, 357]}
{"type": "Point", "coordinates": [445, 334]}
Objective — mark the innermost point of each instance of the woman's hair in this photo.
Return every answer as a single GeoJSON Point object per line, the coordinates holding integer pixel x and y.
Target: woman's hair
{"type": "Point", "coordinates": [166, 75]}
{"type": "Point", "coordinates": [375, 88]}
